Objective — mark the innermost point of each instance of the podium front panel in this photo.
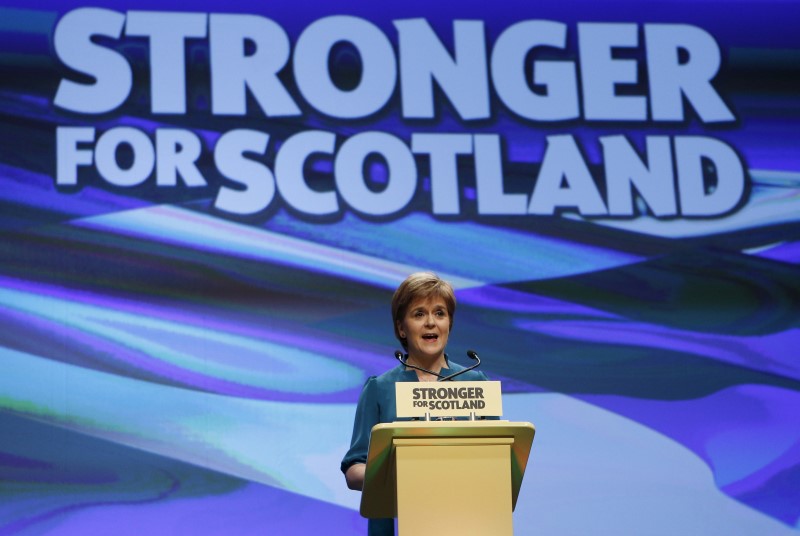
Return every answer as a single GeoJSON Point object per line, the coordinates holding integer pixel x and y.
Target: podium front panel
{"type": "Point", "coordinates": [379, 496]}
{"type": "Point", "coordinates": [454, 487]}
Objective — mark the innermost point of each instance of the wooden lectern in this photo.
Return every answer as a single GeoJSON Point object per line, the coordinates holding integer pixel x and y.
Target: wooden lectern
{"type": "Point", "coordinates": [446, 477]}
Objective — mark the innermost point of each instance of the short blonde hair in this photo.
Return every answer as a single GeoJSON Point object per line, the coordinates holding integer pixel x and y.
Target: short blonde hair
{"type": "Point", "coordinates": [420, 285]}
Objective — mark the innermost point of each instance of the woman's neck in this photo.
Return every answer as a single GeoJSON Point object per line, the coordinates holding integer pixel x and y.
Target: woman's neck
{"type": "Point", "coordinates": [434, 365]}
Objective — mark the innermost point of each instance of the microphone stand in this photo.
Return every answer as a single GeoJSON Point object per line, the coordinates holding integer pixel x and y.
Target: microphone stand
{"type": "Point", "coordinates": [471, 354]}
{"type": "Point", "coordinates": [399, 356]}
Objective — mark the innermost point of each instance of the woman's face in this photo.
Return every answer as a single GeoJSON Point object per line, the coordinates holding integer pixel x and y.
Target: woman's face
{"type": "Point", "coordinates": [426, 326]}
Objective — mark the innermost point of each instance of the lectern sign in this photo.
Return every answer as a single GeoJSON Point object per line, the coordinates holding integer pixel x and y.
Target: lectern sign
{"type": "Point", "coordinates": [448, 399]}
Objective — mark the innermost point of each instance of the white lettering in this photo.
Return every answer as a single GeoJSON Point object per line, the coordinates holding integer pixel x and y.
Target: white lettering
{"type": "Point", "coordinates": [177, 151]}
{"type": "Point", "coordinates": [654, 180]}
{"type": "Point", "coordinates": [698, 157]}
{"type": "Point", "coordinates": [489, 179]}
{"type": "Point", "coordinates": [423, 58]}
{"type": "Point", "coordinates": [112, 74]}
{"type": "Point", "coordinates": [560, 99]}
{"type": "Point", "coordinates": [443, 150]}
{"type": "Point", "coordinates": [69, 156]}
{"type": "Point", "coordinates": [167, 34]}
{"type": "Point", "coordinates": [290, 176]}
{"type": "Point", "coordinates": [142, 160]}
{"type": "Point", "coordinates": [257, 179]}
{"type": "Point", "coordinates": [601, 72]}
{"type": "Point", "coordinates": [671, 79]}
{"type": "Point", "coordinates": [233, 71]}
{"type": "Point", "coordinates": [565, 181]}
{"type": "Point", "coordinates": [401, 180]}
{"type": "Point", "coordinates": [378, 71]}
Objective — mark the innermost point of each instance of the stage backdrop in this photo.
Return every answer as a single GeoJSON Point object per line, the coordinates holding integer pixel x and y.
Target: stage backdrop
{"type": "Point", "coordinates": [205, 213]}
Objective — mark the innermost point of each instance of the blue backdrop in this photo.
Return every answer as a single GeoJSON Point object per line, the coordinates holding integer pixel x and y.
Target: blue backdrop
{"type": "Point", "coordinates": [205, 213]}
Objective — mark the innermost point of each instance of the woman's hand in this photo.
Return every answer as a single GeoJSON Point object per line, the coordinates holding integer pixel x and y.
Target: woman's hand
{"type": "Point", "coordinates": [355, 476]}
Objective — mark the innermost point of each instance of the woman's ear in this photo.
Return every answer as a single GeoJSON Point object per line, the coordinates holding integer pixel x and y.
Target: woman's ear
{"type": "Point", "coordinates": [400, 330]}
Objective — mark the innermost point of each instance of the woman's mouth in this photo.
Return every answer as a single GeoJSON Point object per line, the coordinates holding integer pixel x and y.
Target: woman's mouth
{"type": "Point", "coordinates": [430, 337]}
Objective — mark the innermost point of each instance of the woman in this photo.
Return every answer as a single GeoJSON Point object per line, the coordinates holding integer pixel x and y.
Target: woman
{"type": "Point", "coordinates": [422, 312]}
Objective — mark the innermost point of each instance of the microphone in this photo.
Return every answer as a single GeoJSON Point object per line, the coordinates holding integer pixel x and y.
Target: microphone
{"type": "Point", "coordinates": [472, 355]}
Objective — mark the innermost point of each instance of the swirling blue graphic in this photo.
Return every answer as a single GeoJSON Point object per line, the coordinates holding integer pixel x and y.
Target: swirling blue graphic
{"type": "Point", "coordinates": [182, 353]}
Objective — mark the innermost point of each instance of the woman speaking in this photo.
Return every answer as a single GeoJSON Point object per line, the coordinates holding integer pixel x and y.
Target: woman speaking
{"type": "Point", "coordinates": [423, 307]}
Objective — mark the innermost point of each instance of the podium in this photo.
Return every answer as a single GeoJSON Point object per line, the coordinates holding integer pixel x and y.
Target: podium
{"type": "Point", "coordinates": [446, 477]}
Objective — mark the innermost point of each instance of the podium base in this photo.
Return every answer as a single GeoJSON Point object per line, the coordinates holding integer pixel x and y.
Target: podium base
{"type": "Point", "coordinates": [454, 486]}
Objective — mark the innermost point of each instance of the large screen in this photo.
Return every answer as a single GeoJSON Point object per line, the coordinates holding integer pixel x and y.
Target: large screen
{"type": "Point", "coordinates": [206, 210]}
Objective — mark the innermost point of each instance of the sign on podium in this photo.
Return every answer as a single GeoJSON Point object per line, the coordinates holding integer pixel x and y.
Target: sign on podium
{"type": "Point", "coordinates": [448, 399]}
